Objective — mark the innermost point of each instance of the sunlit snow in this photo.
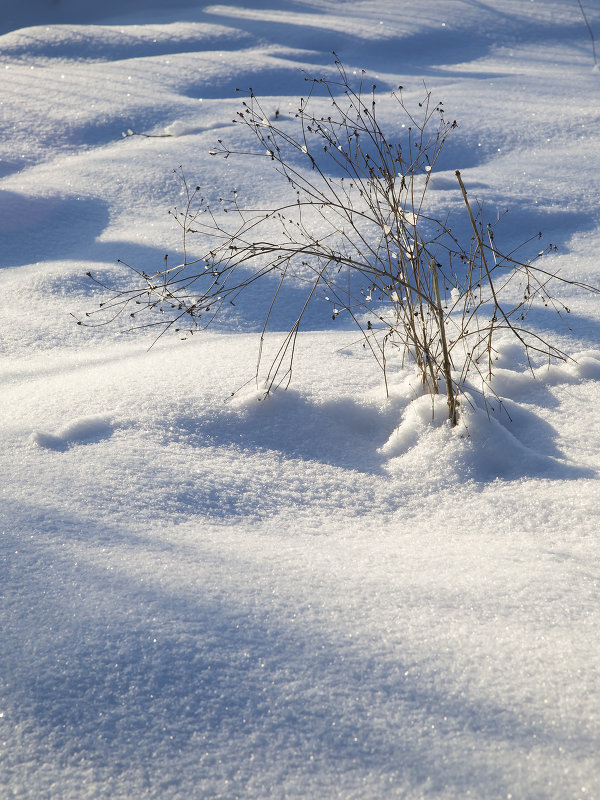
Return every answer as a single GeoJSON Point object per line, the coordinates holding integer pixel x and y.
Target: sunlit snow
{"type": "Point", "coordinates": [326, 592]}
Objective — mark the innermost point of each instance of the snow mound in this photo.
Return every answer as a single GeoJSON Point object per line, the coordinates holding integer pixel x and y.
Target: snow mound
{"type": "Point", "coordinates": [80, 431]}
{"type": "Point", "coordinates": [493, 440]}
{"type": "Point", "coordinates": [520, 384]}
{"type": "Point", "coordinates": [585, 366]}
{"type": "Point", "coordinates": [180, 128]}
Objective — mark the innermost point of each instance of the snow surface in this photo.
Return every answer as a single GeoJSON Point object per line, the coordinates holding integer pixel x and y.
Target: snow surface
{"type": "Point", "coordinates": [328, 594]}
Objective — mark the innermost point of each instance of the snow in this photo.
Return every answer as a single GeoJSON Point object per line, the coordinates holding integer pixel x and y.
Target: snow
{"type": "Point", "coordinates": [326, 592]}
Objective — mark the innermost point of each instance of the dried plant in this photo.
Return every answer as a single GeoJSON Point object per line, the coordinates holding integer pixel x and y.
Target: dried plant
{"type": "Point", "coordinates": [356, 230]}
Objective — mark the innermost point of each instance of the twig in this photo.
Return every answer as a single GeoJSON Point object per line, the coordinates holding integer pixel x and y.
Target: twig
{"type": "Point", "coordinates": [450, 393]}
{"type": "Point", "coordinates": [589, 27]}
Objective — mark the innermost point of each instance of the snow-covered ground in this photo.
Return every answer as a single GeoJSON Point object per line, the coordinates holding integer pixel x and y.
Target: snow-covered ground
{"type": "Point", "coordinates": [324, 595]}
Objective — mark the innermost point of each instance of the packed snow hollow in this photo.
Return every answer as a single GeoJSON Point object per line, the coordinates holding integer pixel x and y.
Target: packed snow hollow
{"type": "Point", "coordinates": [328, 592]}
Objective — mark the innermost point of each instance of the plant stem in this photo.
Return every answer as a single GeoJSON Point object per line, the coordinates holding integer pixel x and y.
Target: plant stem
{"type": "Point", "coordinates": [591, 32]}
{"type": "Point", "coordinates": [447, 368]}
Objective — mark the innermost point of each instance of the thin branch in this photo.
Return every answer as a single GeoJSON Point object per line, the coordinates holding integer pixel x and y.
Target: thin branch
{"type": "Point", "coordinates": [591, 32]}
